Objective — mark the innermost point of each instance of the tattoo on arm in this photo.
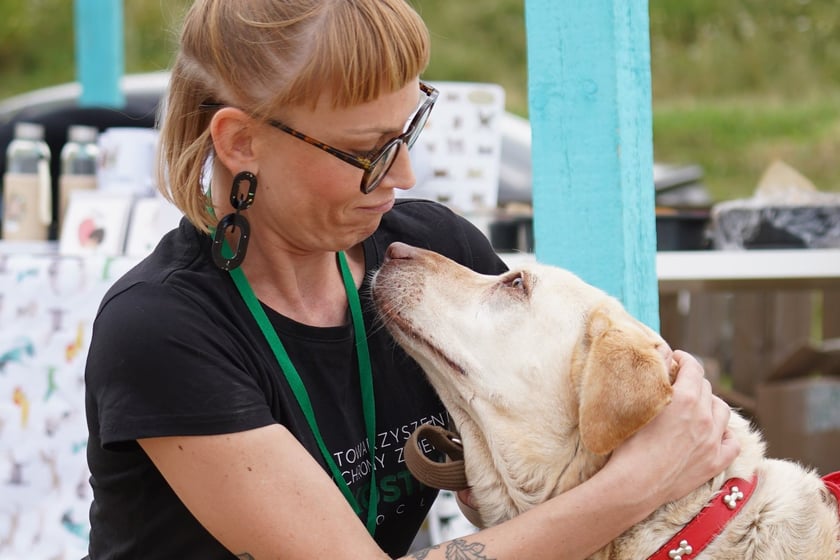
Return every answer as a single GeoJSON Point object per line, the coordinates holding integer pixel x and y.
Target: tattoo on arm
{"type": "Point", "coordinates": [245, 556]}
{"type": "Point", "coordinates": [458, 549]}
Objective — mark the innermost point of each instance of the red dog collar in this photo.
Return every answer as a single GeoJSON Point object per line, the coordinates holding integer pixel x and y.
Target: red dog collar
{"type": "Point", "coordinates": [832, 482]}
{"type": "Point", "coordinates": [709, 523]}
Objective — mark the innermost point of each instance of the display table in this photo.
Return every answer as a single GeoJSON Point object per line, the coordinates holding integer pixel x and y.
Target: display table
{"type": "Point", "coordinates": [758, 269]}
{"type": "Point", "coordinates": [47, 305]}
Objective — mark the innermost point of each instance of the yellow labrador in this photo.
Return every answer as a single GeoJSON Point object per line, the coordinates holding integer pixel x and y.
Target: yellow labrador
{"type": "Point", "coordinates": [544, 375]}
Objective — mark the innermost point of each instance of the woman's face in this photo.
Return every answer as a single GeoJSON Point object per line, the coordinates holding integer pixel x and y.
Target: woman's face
{"type": "Point", "coordinates": [307, 199]}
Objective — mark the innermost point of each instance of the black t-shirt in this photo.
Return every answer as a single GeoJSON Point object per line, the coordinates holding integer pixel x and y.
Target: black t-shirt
{"type": "Point", "coordinates": [175, 351]}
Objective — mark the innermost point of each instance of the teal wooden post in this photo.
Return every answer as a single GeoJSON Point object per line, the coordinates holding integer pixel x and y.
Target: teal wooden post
{"type": "Point", "coordinates": [99, 52]}
{"type": "Point", "coordinates": [592, 145]}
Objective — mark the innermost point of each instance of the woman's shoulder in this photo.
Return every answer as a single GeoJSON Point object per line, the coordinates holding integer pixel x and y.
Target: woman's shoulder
{"type": "Point", "coordinates": [419, 221]}
{"type": "Point", "coordinates": [176, 264]}
{"type": "Point", "coordinates": [434, 226]}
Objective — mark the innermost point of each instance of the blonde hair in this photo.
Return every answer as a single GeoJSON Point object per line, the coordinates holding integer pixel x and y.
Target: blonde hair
{"type": "Point", "coordinates": [260, 55]}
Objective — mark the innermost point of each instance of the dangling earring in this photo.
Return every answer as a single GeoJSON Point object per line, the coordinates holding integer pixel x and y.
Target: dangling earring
{"type": "Point", "coordinates": [234, 221]}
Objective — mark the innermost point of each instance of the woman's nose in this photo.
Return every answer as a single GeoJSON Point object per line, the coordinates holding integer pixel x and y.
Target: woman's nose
{"type": "Point", "coordinates": [401, 175]}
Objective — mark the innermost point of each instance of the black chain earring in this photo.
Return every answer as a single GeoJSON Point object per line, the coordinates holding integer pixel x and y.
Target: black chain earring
{"type": "Point", "coordinates": [234, 221]}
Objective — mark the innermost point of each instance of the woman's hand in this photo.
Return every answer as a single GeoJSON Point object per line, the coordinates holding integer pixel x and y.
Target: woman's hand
{"type": "Point", "coordinates": [686, 444]}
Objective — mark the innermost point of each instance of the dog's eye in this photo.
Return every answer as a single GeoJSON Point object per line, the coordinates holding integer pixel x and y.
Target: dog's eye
{"type": "Point", "coordinates": [516, 282]}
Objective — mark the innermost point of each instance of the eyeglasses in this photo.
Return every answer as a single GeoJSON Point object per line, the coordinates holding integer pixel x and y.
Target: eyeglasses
{"type": "Point", "coordinates": [376, 164]}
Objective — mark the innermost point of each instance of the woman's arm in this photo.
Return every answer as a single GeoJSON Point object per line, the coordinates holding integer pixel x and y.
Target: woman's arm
{"type": "Point", "coordinates": [263, 496]}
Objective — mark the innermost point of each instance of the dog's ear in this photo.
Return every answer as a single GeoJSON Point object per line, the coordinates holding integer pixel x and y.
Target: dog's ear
{"type": "Point", "coordinates": [623, 381]}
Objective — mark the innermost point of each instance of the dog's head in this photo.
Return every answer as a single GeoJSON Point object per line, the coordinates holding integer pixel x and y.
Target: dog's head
{"type": "Point", "coordinates": [534, 363]}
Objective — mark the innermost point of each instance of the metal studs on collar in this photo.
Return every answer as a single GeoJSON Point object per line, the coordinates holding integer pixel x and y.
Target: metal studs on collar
{"type": "Point", "coordinates": [735, 495]}
{"type": "Point", "coordinates": [678, 553]}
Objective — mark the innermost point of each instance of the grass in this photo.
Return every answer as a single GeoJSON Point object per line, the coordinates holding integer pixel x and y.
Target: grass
{"type": "Point", "coordinates": [479, 41]}
{"type": "Point", "coordinates": [736, 139]}
{"type": "Point", "coordinates": [736, 84]}
{"type": "Point", "coordinates": [37, 40]}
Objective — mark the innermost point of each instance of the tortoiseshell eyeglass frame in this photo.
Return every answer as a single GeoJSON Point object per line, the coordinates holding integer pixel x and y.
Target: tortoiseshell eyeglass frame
{"type": "Point", "coordinates": [369, 162]}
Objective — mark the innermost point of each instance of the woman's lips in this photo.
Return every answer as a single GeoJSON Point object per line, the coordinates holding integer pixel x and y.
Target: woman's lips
{"type": "Point", "coordinates": [380, 207]}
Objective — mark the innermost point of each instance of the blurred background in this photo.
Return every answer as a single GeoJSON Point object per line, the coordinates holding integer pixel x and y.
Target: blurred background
{"type": "Point", "coordinates": [736, 83]}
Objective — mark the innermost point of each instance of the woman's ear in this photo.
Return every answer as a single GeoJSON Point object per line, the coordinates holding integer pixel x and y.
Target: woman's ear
{"type": "Point", "coordinates": [233, 138]}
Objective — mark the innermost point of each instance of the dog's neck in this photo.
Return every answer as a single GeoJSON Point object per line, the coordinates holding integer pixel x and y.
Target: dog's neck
{"type": "Point", "coordinates": [510, 485]}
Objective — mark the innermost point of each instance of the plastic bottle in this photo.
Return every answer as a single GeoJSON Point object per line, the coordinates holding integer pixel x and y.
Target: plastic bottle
{"type": "Point", "coordinates": [27, 186]}
{"type": "Point", "coordinates": [78, 165]}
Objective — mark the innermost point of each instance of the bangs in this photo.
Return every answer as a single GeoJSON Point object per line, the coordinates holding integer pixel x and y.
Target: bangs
{"type": "Point", "coordinates": [361, 49]}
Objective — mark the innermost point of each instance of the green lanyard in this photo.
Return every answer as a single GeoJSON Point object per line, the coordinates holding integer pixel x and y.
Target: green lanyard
{"type": "Point", "coordinates": [295, 382]}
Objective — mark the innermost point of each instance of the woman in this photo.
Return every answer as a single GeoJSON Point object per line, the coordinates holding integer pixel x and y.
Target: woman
{"type": "Point", "coordinates": [235, 407]}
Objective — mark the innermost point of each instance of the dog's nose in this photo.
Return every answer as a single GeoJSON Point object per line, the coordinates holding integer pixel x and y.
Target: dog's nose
{"type": "Point", "coordinates": [399, 250]}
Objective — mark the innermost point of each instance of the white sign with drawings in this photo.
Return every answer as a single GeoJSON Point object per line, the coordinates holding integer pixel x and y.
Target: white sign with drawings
{"type": "Point", "coordinates": [457, 157]}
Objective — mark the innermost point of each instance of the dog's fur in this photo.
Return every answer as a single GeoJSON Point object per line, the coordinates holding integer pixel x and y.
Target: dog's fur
{"type": "Point", "coordinates": [544, 375]}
